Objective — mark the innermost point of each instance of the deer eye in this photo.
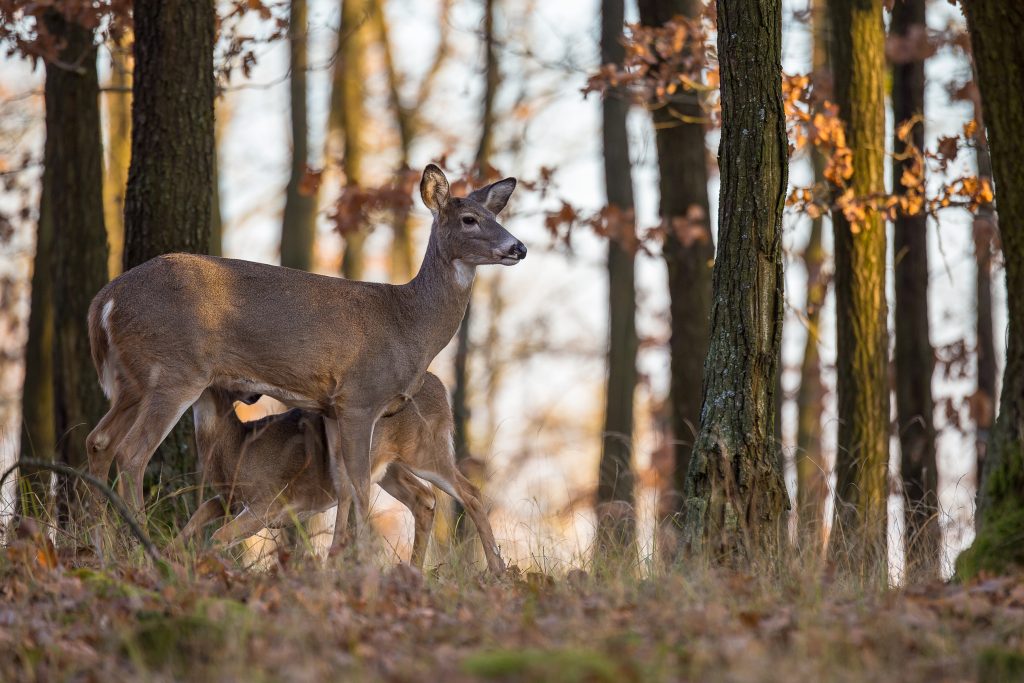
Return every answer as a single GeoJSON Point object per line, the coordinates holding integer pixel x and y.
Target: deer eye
{"type": "Point", "coordinates": [468, 220]}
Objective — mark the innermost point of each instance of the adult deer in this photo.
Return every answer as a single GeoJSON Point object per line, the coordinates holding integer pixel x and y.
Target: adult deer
{"type": "Point", "coordinates": [166, 330]}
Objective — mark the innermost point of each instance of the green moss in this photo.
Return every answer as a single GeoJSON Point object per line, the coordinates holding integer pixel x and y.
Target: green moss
{"type": "Point", "coordinates": [999, 546]}
{"type": "Point", "coordinates": [564, 666]}
{"type": "Point", "coordinates": [999, 665]}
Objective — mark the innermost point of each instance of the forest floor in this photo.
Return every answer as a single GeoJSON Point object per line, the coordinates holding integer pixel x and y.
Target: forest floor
{"type": "Point", "coordinates": [78, 618]}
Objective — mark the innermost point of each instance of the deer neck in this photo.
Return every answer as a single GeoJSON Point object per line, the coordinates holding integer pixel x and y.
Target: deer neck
{"type": "Point", "coordinates": [438, 296]}
{"type": "Point", "coordinates": [219, 432]}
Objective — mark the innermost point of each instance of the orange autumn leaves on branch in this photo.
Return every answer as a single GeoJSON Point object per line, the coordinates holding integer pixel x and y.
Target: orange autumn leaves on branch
{"type": "Point", "coordinates": [666, 63]}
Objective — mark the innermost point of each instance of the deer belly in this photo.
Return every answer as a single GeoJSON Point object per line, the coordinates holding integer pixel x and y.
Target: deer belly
{"type": "Point", "coordinates": [289, 398]}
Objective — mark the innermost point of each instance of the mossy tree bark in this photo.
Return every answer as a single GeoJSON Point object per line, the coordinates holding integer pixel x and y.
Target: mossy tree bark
{"type": "Point", "coordinates": [914, 356]}
{"type": "Point", "coordinates": [996, 28]}
{"type": "Point", "coordinates": [735, 494]}
{"type": "Point", "coordinates": [168, 204]}
{"type": "Point", "coordinates": [811, 468]}
{"type": "Point", "coordinates": [682, 164]}
{"type": "Point", "coordinates": [616, 523]}
{"type": "Point", "coordinates": [298, 229]}
{"type": "Point", "coordinates": [858, 44]}
{"type": "Point", "coordinates": [74, 162]}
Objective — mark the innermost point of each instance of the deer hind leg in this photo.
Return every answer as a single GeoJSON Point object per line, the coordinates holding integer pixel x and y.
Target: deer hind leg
{"type": "Point", "coordinates": [448, 478]}
{"type": "Point", "coordinates": [157, 415]}
{"type": "Point", "coordinates": [412, 493]}
{"type": "Point", "coordinates": [102, 442]}
{"type": "Point", "coordinates": [348, 442]}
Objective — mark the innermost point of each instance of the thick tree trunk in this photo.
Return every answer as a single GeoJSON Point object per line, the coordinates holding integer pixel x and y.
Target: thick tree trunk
{"type": "Point", "coordinates": [996, 28]}
{"type": "Point", "coordinates": [119, 146]}
{"type": "Point", "coordinates": [811, 468]}
{"type": "Point", "coordinates": [735, 494]}
{"type": "Point", "coordinates": [682, 163]}
{"type": "Point", "coordinates": [298, 230]}
{"type": "Point", "coordinates": [914, 356]}
{"type": "Point", "coordinates": [347, 116]}
{"type": "Point", "coordinates": [858, 44]}
{"type": "Point", "coordinates": [168, 205]}
{"type": "Point", "coordinates": [616, 523]}
{"type": "Point", "coordinates": [74, 160]}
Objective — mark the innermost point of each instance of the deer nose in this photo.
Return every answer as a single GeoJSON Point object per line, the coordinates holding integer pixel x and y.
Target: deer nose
{"type": "Point", "coordinates": [519, 250]}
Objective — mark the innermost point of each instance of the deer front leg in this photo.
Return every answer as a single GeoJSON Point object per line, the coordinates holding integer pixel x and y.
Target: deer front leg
{"type": "Point", "coordinates": [204, 514]}
{"type": "Point", "coordinates": [348, 441]}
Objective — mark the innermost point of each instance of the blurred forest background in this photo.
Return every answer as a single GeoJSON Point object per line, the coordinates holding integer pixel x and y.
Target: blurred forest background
{"type": "Point", "coordinates": [577, 377]}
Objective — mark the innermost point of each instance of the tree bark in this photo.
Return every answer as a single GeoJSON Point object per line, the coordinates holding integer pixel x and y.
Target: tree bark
{"type": "Point", "coordinates": [811, 468]}
{"type": "Point", "coordinates": [858, 43]}
{"type": "Point", "coordinates": [298, 230]}
{"type": "Point", "coordinates": [735, 494]}
{"type": "Point", "coordinates": [616, 523]}
{"type": "Point", "coordinates": [74, 161]}
{"type": "Point", "coordinates": [996, 28]}
{"type": "Point", "coordinates": [168, 204]}
{"type": "Point", "coordinates": [347, 116]}
{"type": "Point", "coordinates": [119, 140]}
{"type": "Point", "coordinates": [914, 356]}
{"type": "Point", "coordinates": [682, 164]}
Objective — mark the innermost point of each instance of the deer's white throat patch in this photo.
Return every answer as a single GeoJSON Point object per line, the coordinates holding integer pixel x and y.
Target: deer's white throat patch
{"type": "Point", "coordinates": [464, 274]}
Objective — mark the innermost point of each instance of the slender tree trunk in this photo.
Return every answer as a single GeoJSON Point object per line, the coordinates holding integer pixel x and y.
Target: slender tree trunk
{"type": "Point", "coordinates": [984, 232]}
{"type": "Point", "coordinates": [682, 163]}
{"type": "Point", "coordinates": [460, 388]}
{"type": "Point", "coordinates": [119, 146]}
{"type": "Point", "coordinates": [616, 523]}
{"type": "Point", "coordinates": [914, 356]}
{"type": "Point", "coordinates": [74, 149]}
{"type": "Point", "coordinates": [347, 116]}
{"type": "Point", "coordinates": [298, 231]}
{"type": "Point", "coordinates": [168, 205]}
{"type": "Point", "coordinates": [735, 494]}
{"type": "Point", "coordinates": [858, 43]}
{"type": "Point", "coordinates": [996, 28]}
{"type": "Point", "coordinates": [39, 438]}
{"type": "Point", "coordinates": [811, 468]}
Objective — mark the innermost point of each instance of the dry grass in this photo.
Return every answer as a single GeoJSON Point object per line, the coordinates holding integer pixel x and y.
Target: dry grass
{"type": "Point", "coordinates": [74, 615]}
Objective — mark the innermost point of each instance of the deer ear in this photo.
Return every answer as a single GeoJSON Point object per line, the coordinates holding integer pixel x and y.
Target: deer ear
{"type": "Point", "coordinates": [434, 188]}
{"type": "Point", "coordinates": [494, 196]}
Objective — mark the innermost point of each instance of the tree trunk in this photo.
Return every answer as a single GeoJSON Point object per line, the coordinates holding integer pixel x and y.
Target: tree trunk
{"type": "Point", "coordinates": [858, 43]}
{"type": "Point", "coordinates": [74, 161]}
{"type": "Point", "coordinates": [735, 494]}
{"type": "Point", "coordinates": [914, 356]}
{"type": "Point", "coordinates": [119, 146]}
{"type": "Point", "coordinates": [347, 116]}
{"type": "Point", "coordinates": [616, 523]}
{"type": "Point", "coordinates": [996, 28]}
{"type": "Point", "coordinates": [39, 439]}
{"type": "Point", "coordinates": [811, 468]}
{"type": "Point", "coordinates": [460, 387]}
{"type": "Point", "coordinates": [682, 165]}
{"type": "Point", "coordinates": [298, 230]}
{"type": "Point", "coordinates": [168, 205]}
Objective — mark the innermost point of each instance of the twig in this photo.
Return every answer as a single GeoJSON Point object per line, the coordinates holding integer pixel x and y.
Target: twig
{"type": "Point", "coordinates": [115, 499]}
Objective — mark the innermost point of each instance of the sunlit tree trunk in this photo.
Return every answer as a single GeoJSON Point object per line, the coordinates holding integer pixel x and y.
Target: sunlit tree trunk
{"type": "Point", "coordinates": [811, 468]}
{"type": "Point", "coordinates": [171, 177]}
{"type": "Point", "coordinates": [616, 523]}
{"type": "Point", "coordinates": [298, 230]}
{"type": "Point", "coordinates": [914, 356]}
{"type": "Point", "coordinates": [996, 28]}
{"type": "Point", "coordinates": [858, 51]}
{"type": "Point", "coordinates": [74, 161]}
{"type": "Point", "coordinates": [687, 249]}
{"type": "Point", "coordinates": [346, 118]}
{"type": "Point", "coordinates": [735, 494]}
{"type": "Point", "coordinates": [118, 101]}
